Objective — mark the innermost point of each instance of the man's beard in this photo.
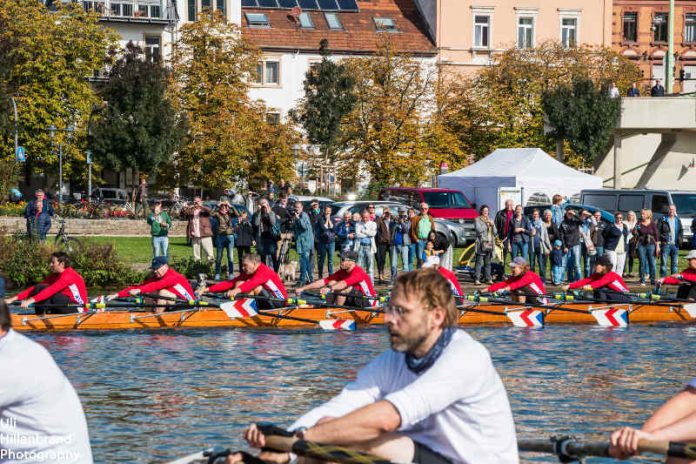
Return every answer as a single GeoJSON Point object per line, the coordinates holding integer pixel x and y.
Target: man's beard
{"type": "Point", "coordinates": [408, 343]}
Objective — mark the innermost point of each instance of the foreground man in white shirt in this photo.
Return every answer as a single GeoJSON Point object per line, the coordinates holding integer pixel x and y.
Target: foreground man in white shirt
{"type": "Point", "coordinates": [41, 418]}
{"type": "Point", "coordinates": [434, 398]}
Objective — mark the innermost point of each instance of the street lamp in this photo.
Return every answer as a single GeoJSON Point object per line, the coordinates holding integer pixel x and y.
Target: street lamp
{"type": "Point", "coordinates": [52, 133]}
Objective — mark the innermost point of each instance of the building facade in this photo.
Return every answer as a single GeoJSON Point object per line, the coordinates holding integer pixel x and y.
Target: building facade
{"type": "Point", "coordinates": [469, 33]}
{"type": "Point", "coordinates": [640, 33]}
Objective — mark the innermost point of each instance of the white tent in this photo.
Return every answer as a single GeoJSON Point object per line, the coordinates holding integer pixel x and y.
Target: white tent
{"type": "Point", "coordinates": [521, 174]}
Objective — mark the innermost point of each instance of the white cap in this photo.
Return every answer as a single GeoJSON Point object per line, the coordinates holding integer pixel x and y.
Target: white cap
{"type": "Point", "coordinates": [691, 255]}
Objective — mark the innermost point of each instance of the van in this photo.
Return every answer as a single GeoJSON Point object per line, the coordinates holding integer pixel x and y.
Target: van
{"type": "Point", "coordinates": [636, 199]}
{"type": "Point", "coordinates": [444, 203]}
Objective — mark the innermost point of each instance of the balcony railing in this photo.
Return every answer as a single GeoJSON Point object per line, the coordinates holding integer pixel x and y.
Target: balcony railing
{"type": "Point", "coordinates": [128, 9]}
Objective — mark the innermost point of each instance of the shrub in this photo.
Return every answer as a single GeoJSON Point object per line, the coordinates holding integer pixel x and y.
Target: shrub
{"type": "Point", "coordinates": [192, 269]}
{"type": "Point", "coordinates": [25, 262]}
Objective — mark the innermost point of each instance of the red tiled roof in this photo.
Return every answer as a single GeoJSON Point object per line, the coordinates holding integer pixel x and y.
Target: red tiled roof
{"type": "Point", "coordinates": [359, 35]}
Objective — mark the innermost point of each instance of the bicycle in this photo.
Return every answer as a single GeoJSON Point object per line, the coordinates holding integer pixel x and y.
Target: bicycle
{"type": "Point", "coordinates": [63, 239]}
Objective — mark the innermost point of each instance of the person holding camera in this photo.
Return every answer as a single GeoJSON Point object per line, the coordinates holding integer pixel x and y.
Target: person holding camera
{"type": "Point", "coordinates": [326, 242]}
{"type": "Point", "coordinates": [267, 233]}
{"type": "Point", "coordinates": [200, 230]}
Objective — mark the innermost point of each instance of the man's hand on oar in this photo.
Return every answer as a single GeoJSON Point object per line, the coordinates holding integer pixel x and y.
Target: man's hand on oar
{"type": "Point", "coordinates": [624, 442]}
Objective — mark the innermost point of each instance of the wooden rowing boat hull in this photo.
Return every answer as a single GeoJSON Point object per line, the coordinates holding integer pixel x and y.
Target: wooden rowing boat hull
{"type": "Point", "coordinates": [210, 318]}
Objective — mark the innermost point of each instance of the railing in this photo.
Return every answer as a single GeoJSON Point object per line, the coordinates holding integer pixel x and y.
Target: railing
{"type": "Point", "coordinates": [127, 9]}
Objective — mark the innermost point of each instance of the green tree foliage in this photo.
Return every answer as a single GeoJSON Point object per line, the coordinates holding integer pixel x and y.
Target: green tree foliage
{"type": "Point", "coordinates": [229, 139]}
{"type": "Point", "coordinates": [501, 105]}
{"type": "Point", "coordinates": [583, 114]}
{"type": "Point", "coordinates": [139, 128]}
{"type": "Point", "coordinates": [397, 127]}
{"type": "Point", "coordinates": [328, 98]}
{"type": "Point", "coordinates": [46, 59]}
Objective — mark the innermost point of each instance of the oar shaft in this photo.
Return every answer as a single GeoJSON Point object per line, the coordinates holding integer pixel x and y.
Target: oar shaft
{"type": "Point", "coordinates": [326, 453]}
{"type": "Point", "coordinates": [572, 447]}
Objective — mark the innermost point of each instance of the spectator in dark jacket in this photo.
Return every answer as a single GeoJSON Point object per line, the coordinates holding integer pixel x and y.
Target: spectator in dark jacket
{"type": "Point", "coordinates": [38, 213]}
{"type": "Point", "coordinates": [326, 234]}
{"type": "Point", "coordinates": [570, 236]}
{"type": "Point", "coordinates": [616, 243]}
{"type": "Point", "coordinates": [519, 233]}
{"type": "Point", "coordinates": [671, 236]}
{"type": "Point", "coordinates": [648, 237]}
{"type": "Point", "coordinates": [224, 238]}
{"type": "Point", "coordinates": [266, 233]}
{"type": "Point", "coordinates": [502, 225]}
{"type": "Point", "coordinates": [244, 237]}
{"type": "Point", "coordinates": [384, 241]}
{"type": "Point", "coordinates": [345, 232]}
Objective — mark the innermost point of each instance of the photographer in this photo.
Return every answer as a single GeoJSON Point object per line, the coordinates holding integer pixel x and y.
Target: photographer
{"type": "Point", "coordinates": [326, 241]}
{"type": "Point", "coordinates": [267, 233]}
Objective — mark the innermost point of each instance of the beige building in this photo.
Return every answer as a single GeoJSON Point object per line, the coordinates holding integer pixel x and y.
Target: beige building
{"type": "Point", "coordinates": [468, 33]}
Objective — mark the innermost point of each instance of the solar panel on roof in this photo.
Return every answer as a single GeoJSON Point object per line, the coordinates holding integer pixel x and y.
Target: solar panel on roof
{"type": "Point", "coordinates": [348, 5]}
{"type": "Point", "coordinates": [328, 5]}
{"type": "Point", "coordinates": [287, 3]}
{"type": "Point", "coordinates": [249, 3]}
{"type": "Point", "coordinates": [268, 3]}
{"type": "Point", "coordinates": [308, 4]}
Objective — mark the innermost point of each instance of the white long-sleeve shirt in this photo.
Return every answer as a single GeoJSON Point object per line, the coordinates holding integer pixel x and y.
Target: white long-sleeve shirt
{"type": "Point", "coordinates": [458, 407]}
{"type": "Point", "coordinates": [366, 230]}
{"type": "Point", "coordinates": [41, 418]}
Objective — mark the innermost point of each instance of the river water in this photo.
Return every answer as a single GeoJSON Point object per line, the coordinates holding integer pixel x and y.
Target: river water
{"type": "Point", "coordinates": [152, 396]}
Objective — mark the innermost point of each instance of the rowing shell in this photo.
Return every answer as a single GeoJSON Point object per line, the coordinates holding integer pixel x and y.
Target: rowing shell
{"type": "Point", "coordinates": [207, 317]}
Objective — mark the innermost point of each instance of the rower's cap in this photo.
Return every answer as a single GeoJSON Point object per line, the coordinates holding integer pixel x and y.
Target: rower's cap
{"type": "Point", "coordinates": [158, 262]}
{"type": "Point", "coordinates": [603, 261]}
{"type": "Point", "coordinates": [431, 261]}
{"type": "Point", "coordinates": [349, 255]}
{"type": "Point", "coordinates": [557, 243]}
{"type": "Point", "coordinates": [691, 255]}
{"type": "Point", "coordinates": [518, 261]}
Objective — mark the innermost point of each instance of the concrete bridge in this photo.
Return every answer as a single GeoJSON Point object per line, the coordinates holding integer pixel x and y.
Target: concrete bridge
{"type": "Point", "coordinates": [654, 145]}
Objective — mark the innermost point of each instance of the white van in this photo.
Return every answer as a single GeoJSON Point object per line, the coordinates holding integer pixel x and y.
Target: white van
{"type": "Point", "coordinates": [636, 199]}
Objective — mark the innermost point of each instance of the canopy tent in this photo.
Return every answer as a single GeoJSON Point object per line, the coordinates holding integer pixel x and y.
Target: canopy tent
{"type": "Point", "coordinates": [517, 173]}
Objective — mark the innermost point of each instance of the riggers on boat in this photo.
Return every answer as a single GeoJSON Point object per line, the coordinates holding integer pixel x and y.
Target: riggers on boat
{"type": "Point", "coordinates": [333, 318]}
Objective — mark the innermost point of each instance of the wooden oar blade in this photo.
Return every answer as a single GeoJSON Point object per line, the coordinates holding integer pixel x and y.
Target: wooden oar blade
{"type": "Point", "coordinates": [526, 318]}
{"type": "Point", "coordinates": [337, 324]}
{"type": "Point", "coordinates": [611, 317]}
{"type": "Point", "coordinates": [691, 309]}
{"type": "Point", "coordinates": [237, 309]}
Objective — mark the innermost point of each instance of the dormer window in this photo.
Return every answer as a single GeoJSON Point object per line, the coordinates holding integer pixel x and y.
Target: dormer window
{"type": "Point", "coordinates": [385, 24]}
{"type": "Point", "coordinates": [257, 20]}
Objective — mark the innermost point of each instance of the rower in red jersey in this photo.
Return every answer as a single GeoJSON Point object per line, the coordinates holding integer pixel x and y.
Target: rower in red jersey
{"type": "Point", "coordinates": [256, 279]}
{"type": "Point", "coordinates": [164, 281]}
{"type": "Point", "coordinates": [434, 262]}
{"type": "Point", "coordinates": [522, 284]}
{"type": "Point", "coordinates": [686, 279]}
{"type": "Point", "coordinates": [606, 284]}
{"type": "Point", "coordinates": [60, 291]}
{"type": "Point", "coordinates": [350, 285]}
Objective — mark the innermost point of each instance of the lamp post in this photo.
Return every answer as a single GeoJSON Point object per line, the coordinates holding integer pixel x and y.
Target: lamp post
{"type": "Point", "coordinates": [52, 133]}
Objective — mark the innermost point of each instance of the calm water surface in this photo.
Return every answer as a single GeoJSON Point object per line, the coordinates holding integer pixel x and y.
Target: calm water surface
{"type": "Point", "coordinates": [151, 396]}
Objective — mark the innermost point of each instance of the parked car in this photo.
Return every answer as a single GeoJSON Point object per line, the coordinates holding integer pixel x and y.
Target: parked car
{"type": "Point", "coordinates": [606, 215]}
{"type": "Point", "coordinates": [307, 200]}
{"type": "Point", "coordinates": [115, 196]}
{"type": "Point", "coordinates": [444, 203]}
{"type": "Point", "coordinates": [458, 234]}
{"type": "Point", "coordinates": [636, 199]}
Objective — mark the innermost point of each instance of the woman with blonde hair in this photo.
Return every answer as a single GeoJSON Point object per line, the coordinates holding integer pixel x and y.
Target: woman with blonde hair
{"type": "Point", "coordinates": [648, 239]}
{"type": "Point", "coordinates": [631, 221]}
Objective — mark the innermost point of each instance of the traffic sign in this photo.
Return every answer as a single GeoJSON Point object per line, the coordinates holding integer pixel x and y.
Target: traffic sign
{"type": "Point", "coordinates": [20, 155]}
{"type": "Point", "coordinates": [89, 156]}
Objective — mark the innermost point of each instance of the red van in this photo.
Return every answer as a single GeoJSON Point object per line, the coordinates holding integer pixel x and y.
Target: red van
{"type": "Point", "coordinates": [444, 203]}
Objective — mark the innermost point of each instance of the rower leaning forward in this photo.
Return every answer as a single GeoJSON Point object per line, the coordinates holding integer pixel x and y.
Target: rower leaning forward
{"type": "Point", "coordinates": [686, 279]}
{"type": "Point", "coordinates": [163, 287]}
{"type": "Point", "coordinates": [350, 285]}
{"type": "Point", "coordinates": [63, 291]}
{"type": "Point", "coordinates": [606, 284]}
{"type": "Point", "coordinates": [434, 397]}
{"type": "Point", "coordinates": [256, 279]}
{"type": "Point", "coordinates": [523, 285]}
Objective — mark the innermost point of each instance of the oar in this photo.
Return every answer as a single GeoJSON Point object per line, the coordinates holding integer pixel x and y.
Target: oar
{"type": "Point", "coordinates": [569, 449]}
{"type": "Point", "coordinates": [381, 299]}
{"type": "Point", "coordinates": [280, 440]}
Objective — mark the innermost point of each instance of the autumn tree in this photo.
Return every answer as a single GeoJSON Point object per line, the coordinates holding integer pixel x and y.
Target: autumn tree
{"type": "Point", "coordinates": [328, 98]}
{"type": "Point", "coordinates": [229, 140]}
{"type": "Point", "coordinates": [47, 56]}
{"type": "Point", "coordinates": [501, 105]}
{"type": "Point", "coordinates": [395, 129]}
{"type": "Point", "coordinates": [583, 114]}
{"type": "Point", "coordinates": [139, 128]}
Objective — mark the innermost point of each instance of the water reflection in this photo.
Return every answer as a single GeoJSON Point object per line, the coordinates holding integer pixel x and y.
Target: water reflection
{"type": "Point", "coordinates": [153, 396]}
